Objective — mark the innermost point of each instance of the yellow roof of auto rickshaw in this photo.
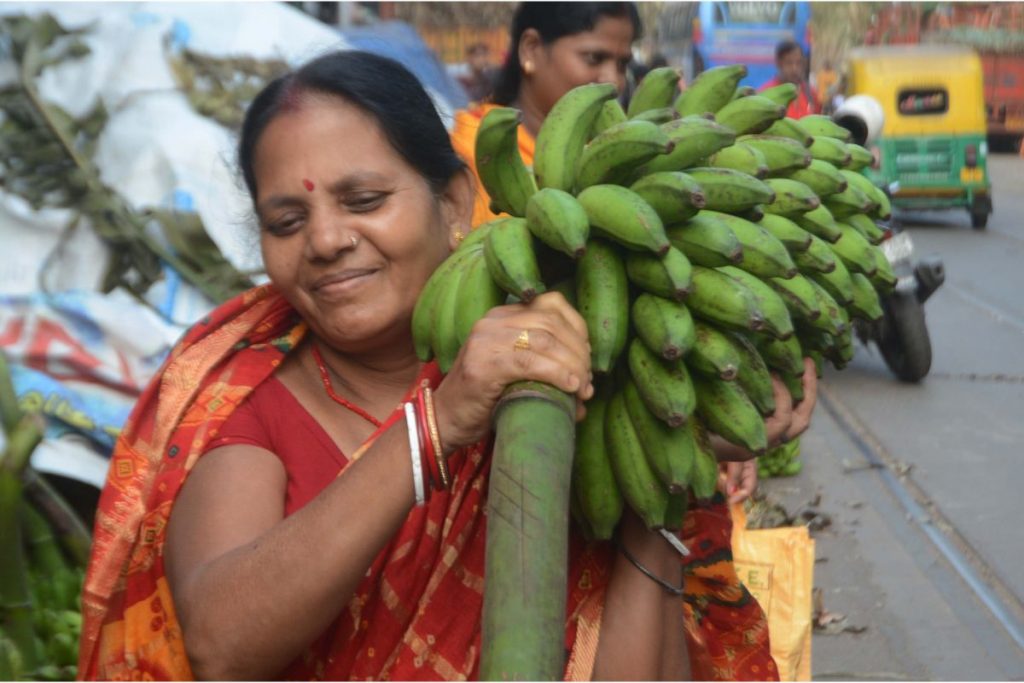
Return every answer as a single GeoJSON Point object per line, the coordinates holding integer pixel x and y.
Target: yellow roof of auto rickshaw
{"type": "Point", "coordinates": [885, 71]}
{"type": "Point", "coordinates": [918, 59]}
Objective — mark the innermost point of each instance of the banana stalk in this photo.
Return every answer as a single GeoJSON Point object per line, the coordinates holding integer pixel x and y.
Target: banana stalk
{"type": "Point", "coordinates": [69, 528]}
{"type": "Point", "coordinates": [528, 535]}
{"type": "Point", "coordinates": [15, 598]}
{"type": "Point", "coordinates": [10, 412]}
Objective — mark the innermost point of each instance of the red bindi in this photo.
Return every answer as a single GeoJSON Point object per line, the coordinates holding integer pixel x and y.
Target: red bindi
{"type": "Point", "coordinates": [308, 184]}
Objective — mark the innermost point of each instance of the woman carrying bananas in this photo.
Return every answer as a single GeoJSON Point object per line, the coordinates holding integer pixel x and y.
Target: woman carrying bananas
{"type": "Point", "coordinates": [296, 495]}
{"type": "Point", "coordinates": [555, 47]}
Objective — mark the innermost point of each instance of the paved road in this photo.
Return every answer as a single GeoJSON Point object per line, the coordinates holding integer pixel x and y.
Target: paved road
{"type": "Point", "coordinates": [924, 482]}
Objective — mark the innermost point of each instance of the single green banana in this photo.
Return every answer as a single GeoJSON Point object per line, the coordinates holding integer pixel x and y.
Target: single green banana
{"type": "Point", "coordinates": [849, 202]}
{"type": "Point", "coordinates": [860, 158]}
{"type": "Point", "coordinates": [665, 386]}
{"type": "Point", "coordinates": [730, 191]}
{"type": "Point", "coordinates": [754, 377]}
{"type": "Point", "coordinates": [675, 511]}
{"type": "Point", "coordinates": [833, 319]}
{"type": "Point", "coordinates": [722, 300]}
{"type": "Point", "coordinates": [695, 138]}
{"type": "Point", "coordinates": [866, 304]}
{"type": "Point", "coordinates": [499, 164]}
{"type": "Point", "coordinates": [819, 125]}
{"type": "Point", "coordinates": [659, 116]}
{"type": "Point", "coordinates": [565, 131]}
{"type": "Point", "coordinates": [665, 326]}
{"type": "Point", "coordinates": [714, 353]}
{"type": "Point", "coordinates": [704, 479]}
{"type": "Point", "coordinates": [740, 157]}
{"type": "Point", "coordinates": [611, 114]}
{"type": "Point", "coordinates": [798, 296]}
{"type": "Point", "coordinates": [754, 215]}
{"type": "Point", "coordinates": [884, 278]}
{"type": "Point", "coordinates": [623, 216]}
{"type": "Point", "coordinates": [792, 236]}
{"type": "Point", "coordinates": [706, 241]}
{"type": "Point", "coordinates": [673, 195]}
{"type": "Point", "coordinates": [752, 114]}
{"type": "Point", "coordinates": [508, 248]}
{"type": "Point", "coordinates": [763, 255]}
{"type": "Point", "coordinates": [836, 283]}
{"type": "Point", "coordinates": [602, 296]}
{"type": "Point", "coordinates": [667, 276]}
{"type": "Point", "coordinates": [856, 252]}
{"type": "Point", "coordinates": [792, 198]}
{"type": "Point", "coordinates": [593, 478]}
{"type": "Point", "coordinates": [656, 90]}
{"type": "Point", "coordinates": [426, 306]}
{"type": "Point", "coordinates": [743, 91]}
{"type": "Point", "coordinates": [782, 94]}
{"type": "Point", "coordinates": [795, 386]}
{"type": "Point", "coordinates": [444, 337]}
{"type": "Point", "coordinates": [821, 176]}
{"type": "Point", "coordinates": [818, 258]}
{"type": "Point", "coordinates": [477, 295]}
{"type": "Point", "coordinates": [711, 90]}
{"type": "Point", "coordinates": [831, 150]}
{"type": "Point", "coordinates": [782, 154]}
{"type": "Point", "coordinates": [866, 227]}
{"type": "Point", "coordinates": [639, 485]}
{"type": "Point", "coordinates": [669, 450]}
{"type": "Point", "coordinates": [613, 154]}
{"type": "Point", "coordinates": [777, 321]}
{"type": "Point", "coordinates": [821, 224]}
{"type": "Point", "coordinates": [884, 210]}
{"type": "Point", "coordinates": [872, 191]}
{"type": "Point", "coordinates": [784, 356]}
{"type": "Point", "coordinates": [791, 128]}
{"type": "Point", "coordinates": [559, 221]}
{"type": "Point", "coordinates": [729, 412]}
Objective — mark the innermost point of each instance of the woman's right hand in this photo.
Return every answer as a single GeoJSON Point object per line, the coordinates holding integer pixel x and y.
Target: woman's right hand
{"type": "Point", "coordinates": [554, 350]}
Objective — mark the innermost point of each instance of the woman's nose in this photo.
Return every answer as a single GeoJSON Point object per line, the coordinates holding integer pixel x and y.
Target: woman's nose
{"type": "Point", "coordinates": [327, 237]}
{"type": "Point", "coordinates": [608, 72]}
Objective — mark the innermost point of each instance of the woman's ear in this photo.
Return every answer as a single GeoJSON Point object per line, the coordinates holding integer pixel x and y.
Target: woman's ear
{"type": "Point", "coordinates": [457, 206]}
{"type": "Point", "coordinates": [530, 45]}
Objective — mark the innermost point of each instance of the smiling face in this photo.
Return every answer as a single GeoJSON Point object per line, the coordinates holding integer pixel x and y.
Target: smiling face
{"type": "Point", "coordinates": [597, 56]}
{"type": "Point", "coordinates": [349, 231]}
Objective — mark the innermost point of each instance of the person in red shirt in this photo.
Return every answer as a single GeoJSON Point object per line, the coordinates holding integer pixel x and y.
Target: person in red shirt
{"type": "Point", "coordinates": [791, 67]}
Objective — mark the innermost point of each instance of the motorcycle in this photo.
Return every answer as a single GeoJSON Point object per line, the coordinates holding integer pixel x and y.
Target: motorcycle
{"type": "Point", "coordinates": [902, 334]}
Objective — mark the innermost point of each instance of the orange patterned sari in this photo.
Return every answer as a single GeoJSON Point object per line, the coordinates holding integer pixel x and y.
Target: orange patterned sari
{"type": "Point", "coordinates": [416, 615]}
{"type": "Point", "coordinates": [727, 631]}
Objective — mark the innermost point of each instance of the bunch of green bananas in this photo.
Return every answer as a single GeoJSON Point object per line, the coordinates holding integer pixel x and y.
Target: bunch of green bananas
{"type": "Point", "coordinates": [708, 242]}
{"type": "Point", "coordinates": [781, 461]}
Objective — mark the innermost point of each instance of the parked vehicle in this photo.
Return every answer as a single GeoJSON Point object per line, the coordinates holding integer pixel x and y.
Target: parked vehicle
{"type": "Point", "coordinates": [932, 150]}
{"type": "Point", "coordinates": [747, 33]}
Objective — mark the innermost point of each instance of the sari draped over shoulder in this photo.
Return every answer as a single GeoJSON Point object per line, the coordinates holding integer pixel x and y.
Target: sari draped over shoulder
{"type": "Point", "coordinates": [726, 629]}
{"type": "Point", "coordinates": [415, 616]}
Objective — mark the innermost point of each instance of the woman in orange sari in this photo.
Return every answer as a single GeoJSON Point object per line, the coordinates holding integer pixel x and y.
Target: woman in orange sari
{"type": "Point", "coordinates": [556, 46]}
{"type": "Point", "coordinates": [277, 505]}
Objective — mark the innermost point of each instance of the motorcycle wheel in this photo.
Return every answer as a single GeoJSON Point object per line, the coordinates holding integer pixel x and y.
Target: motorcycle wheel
{"type": "Point", "coordinates": [904, 341]}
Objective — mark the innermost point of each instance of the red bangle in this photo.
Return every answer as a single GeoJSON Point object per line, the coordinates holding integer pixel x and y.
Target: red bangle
{"type": "Point", "coordinates": [428, 446]}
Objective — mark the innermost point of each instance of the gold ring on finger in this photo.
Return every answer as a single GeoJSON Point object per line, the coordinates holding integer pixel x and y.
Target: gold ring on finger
{"type": "Point", "coordinates": [522, 341]}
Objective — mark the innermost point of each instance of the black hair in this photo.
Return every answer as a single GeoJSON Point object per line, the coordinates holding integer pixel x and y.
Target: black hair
{"type": "Point", "coordinates": [785, 47]}
{"type": "Point", "coordinates": [554, 20]}
{"type": "Point", "coordinates": [382, 88]}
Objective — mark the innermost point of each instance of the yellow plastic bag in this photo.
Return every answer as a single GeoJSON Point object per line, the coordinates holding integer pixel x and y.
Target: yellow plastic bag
{"type": "Point", "coordinates": [777, 567]}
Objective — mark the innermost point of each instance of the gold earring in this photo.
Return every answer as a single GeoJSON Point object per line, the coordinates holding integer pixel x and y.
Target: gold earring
{"type": "Point", "coordinates": [459, 236]}
{"type": "Point", "coordinates": [528, 68]}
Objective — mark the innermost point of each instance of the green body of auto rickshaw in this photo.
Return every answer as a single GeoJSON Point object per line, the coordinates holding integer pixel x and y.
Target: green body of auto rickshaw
{"type": "Point", "coordinates": [932, 151]}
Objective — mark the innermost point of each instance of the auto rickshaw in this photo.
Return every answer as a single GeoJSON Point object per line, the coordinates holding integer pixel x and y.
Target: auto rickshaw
{"type": "Point", "coordinates": [932, 151]}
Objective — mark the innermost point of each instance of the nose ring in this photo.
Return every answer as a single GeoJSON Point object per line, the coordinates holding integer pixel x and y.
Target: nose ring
{"type": "Point", "coordinates": [355, 240]}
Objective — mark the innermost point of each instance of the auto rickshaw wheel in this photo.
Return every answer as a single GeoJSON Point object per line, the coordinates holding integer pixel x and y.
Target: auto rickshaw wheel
{"type": "Point", "coordinates": [979, 219]}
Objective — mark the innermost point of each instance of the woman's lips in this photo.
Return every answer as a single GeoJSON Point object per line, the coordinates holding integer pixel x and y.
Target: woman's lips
{"type": "Point", "coordinates": [342, 282]}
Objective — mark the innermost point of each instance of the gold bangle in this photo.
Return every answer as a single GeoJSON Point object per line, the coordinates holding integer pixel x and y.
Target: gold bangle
{"type": "Point", "coordinates": [435, 438]}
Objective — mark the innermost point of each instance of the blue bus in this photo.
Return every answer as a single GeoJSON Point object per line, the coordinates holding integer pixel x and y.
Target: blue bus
{"type": "Point", "coordinates": [747, 33]}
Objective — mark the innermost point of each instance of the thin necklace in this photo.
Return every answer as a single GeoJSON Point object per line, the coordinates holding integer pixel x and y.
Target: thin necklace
{"type": "Point", "coordinates": [330, 390]}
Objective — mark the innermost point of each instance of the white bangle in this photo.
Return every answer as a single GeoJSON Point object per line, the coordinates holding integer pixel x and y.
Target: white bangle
{"type": "Point", "coordinates": [414, 453]}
